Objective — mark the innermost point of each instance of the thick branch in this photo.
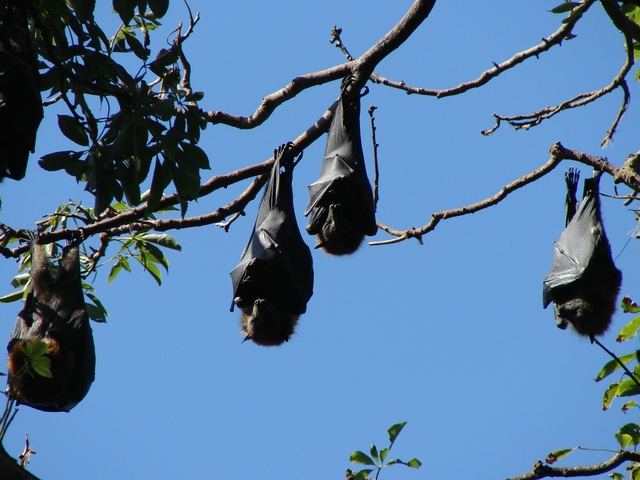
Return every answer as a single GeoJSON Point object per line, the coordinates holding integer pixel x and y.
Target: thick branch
{"type": "Point", "coordinates": [361, 68]}
{"type": "Point", "coordinates": [541, 470]}
{"type": "Point", "coordinates": [620, 20]}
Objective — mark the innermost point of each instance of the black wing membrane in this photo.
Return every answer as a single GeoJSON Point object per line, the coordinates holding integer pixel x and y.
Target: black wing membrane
{"type": "Point", "coordinates": [341, 201]}
{"type": "Point", "coordinates": [55, 313]}
{"type": "Point", "coordinates": [583, 282]}
{"type": "Point", "coordinates": [20, 100]}
{"type": "Point", "coordinates": [274, 280]}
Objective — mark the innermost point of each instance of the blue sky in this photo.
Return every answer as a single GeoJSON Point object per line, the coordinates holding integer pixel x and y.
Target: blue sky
{"type": "Point", "coordinates": [450, 335]}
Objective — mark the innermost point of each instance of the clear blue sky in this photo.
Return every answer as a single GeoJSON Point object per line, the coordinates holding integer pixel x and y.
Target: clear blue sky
{"type": "Point", "coordinates": [450, 336]}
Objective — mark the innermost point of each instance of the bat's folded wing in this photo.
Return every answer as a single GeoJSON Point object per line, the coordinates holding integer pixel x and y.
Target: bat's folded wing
{"type": "Point", "coordinates": [574, 249]}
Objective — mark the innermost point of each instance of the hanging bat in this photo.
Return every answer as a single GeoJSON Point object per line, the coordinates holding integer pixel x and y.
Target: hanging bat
{"type": "Point", "coordinates": [274, 280]}
{"type": "Point", "coordinates": [54, 312]}
{"type": "Point", "coordinates": [583, 283]}
{"type": "Point", "coordinates": [20, 100]}
{"type": "Point", "coordinates": [341, 201]}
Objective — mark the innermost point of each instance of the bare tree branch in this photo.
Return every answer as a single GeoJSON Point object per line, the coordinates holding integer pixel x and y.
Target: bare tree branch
{"type": "Point", "coordinates": [532, 119]}
{"type": "Point", "coordinates": [558, 154]}
{"type": "Point", "coordinates": [541, 470]}
{"type": "Point", "coordinates": [564, 32]}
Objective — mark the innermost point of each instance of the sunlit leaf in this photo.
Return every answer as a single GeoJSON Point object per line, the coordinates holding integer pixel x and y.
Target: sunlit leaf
{"type": "Point", "coordinates": [394, 431]}
{"type": "Point", "coordinates": [12, 297]}
{"type": "Point", "coordinates": [362, 474]}
{"type": "Point", "coordinates": [628, 305]}
{"type": "Point", "coordinates": [42, 366]}
{"type": "Point", "coordinates": [361, 457]}
{"type": "Point", "coordinates": [628, 388]}
{"type": "Point", "coordinates": [162, 239]}
{"type": "Point", "coordinates": [374, 452]}
{"type": "Point", "coordinates": [628, 435]}
{"type": "Point", "coordinates": [614, 365]}
{"type": "Point", "coordinates": [628, 406]}
{"type": "Point", "coordinates": [35, 349]}
{"type": "Point", "coordinates": [630, 330]}
{"type": "Point", "coordinates": [609, 395]}
{"type": "Point", "coordinates": [556, 455]}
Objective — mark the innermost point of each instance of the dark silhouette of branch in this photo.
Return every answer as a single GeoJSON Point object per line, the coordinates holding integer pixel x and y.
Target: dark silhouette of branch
{"type": "Point", "coordinates": [620, 20]}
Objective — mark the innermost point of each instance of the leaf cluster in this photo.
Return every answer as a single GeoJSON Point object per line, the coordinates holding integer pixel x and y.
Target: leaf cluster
{"type": "Point", "coordinates": [378, 458]}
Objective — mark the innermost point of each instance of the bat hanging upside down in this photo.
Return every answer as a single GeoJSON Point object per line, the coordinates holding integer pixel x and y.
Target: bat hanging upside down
{"type": "Point", "coordinates": [274, 280]}
{"type": "Point", "coordinates": [20, 100]}
{"type": "Point", "coordinates": [55, 313]}
{"type": "Point", "coordinates": [583, 283]}
{"type": "Point", "coordinates": [341, 201]}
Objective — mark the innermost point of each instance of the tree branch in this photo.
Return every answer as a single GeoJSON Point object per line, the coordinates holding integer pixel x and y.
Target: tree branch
{"type": "Point", "coordinates": [558, 154]}
{"type": "Point", "coordinates": [541, 470]}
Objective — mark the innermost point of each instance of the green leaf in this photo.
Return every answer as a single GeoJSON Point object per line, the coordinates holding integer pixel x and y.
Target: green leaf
{"type": "Point", "coordinates": [628, 406]}
{"type": "Point", "coordinates": [609, 395]}
{"type": "Point", "coordinates": [414, 463]}
{"type": "Point", "coordinates": [42, 366]}
{"type": "Point", "coordinates": [556, 455]}
{"type": "Point", "coordinates": [630, 330]}
{"type": "Point", "coordinates": [155, 255]}
{"type": "Point", "coordinates": [628, 435]}
{"type": "Point", "coordinates": [628, 388]}
{"type": "Point", "coordinates": [383, 454]}
{"type": "Point", "coordinates": [628, 305]}
{"type": "Point", "coordinates": [115, 270]}
{"type": "Point", "coordinates": [72, 129]}
{"type": "Point", "coordinates": [394, 431]}
{"type": "Point", "coordinates": [617, 476]}
{"type": "Point", "coordinates": [564, 7]}
{"type": "Point", "coordinates": [363, 474]}
{"type": "Point", "coordinates": [613, 365]}
{"type": "Point", "coordinates": [161, 239]}
{"type": "Point", "coordinates": [374, 452]}
{"type": "Point", "coordinates": [35, 349]}
{"type": "Point", "coordinates": [361, 457]}
{"type": "Point", "coordinates": [635, 473]}
{"type": "Point", "coordinates": [12, 297]}
{"type": "Point", "coordinates": [101, 313]}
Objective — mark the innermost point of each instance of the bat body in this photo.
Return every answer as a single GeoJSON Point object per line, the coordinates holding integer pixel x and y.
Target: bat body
{"type": "Point", "coordinates": [20, 100]}
{"type": "Point", "coordinates": [54, 312]}
{"type": "Point", "coordinates": [583, 283]}
{"type": "Point", "coordinates": [341, 202]}
{"type": "Point", "coordinates": [274, 280]}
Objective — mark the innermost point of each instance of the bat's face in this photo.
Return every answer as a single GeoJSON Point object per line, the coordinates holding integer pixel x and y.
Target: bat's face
{"type": "Point", "coordinates": [267, 325]}
{"type": "Point", "coordinates": [588, 305]}
{"type": "Point", "coordinates": [339, 234]}
{"type": "Point", "coordinates": [56, 393]}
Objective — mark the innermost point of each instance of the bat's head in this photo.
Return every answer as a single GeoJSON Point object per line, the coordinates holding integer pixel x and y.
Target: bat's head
{"type": "Point", "coordinates": [340, 234]}
{"type": "Point", "coordinates": [588, 304]}
{"type": "Point", "coordinates": [267, 325]}
{"type": "Point", "coordinates": [44, 375]}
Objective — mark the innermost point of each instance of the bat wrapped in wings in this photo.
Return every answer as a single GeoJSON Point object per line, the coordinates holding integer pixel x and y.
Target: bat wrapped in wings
{"type": "Point", "coordinates": [20, 100]}
{"type": "Point", "coordinates": [274, 280]}
{"type": "Point", "coordinates": [54, 313]}
{"type": "Point", "coordinates": [341, 202]}
{"type": "Point", "coordinates": [583, 283]}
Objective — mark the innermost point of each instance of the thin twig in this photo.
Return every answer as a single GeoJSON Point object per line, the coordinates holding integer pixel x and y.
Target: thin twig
{"type": "Point", "coordinates": [618, 361]}
{"type": "Point", "coordinates": [376, 171]}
